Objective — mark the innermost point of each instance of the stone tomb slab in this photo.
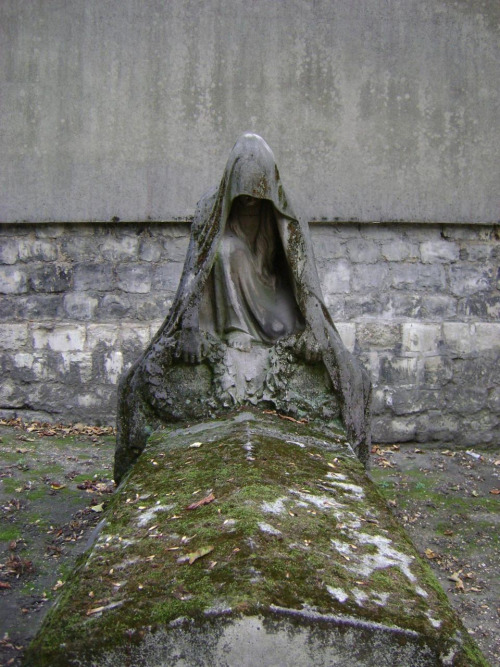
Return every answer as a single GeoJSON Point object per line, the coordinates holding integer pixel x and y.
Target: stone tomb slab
{"type": "Point", "coordinates": [251, 540]}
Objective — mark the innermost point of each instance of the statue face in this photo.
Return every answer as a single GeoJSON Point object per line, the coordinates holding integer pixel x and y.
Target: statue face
{"type": "Point", "coordinates": [248, 203]}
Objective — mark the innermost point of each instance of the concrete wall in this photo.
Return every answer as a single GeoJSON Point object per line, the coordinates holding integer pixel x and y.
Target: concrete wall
{"type": "Point", "coordinates": [376, 110]}
{"type": "Point", "coordinates": [419, 304]}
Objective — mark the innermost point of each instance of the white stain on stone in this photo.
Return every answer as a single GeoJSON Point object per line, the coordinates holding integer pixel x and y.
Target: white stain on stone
{"type": "Point", "coordinates": [276, 507]}
{"type": "Point", "coordinates": [360, 596]}
{"type": "Point", "coordinates": [353, 489]}
{"type": "Point", "coordinates": [421, 592]}
{"type": "Point", "coordinates": [365, 564]}
{"type": "Point", "coordinates": [321, 502]}
{"type": "Point", "coordinates": [270, 530]}
{"type": "Point", "coordinates": [148, 515]}
{"type": "Point", "coordinates": [337, 593]}
{"type": "Point", "coordinates": [435, 622]}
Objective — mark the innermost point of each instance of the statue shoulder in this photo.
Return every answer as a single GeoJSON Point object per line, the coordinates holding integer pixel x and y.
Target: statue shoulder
{"type": "Point", "coordinates": [204, 206]}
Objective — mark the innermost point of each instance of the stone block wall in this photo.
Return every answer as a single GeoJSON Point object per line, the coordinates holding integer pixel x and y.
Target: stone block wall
{"type": "Point", "coordinates": [419, 303]}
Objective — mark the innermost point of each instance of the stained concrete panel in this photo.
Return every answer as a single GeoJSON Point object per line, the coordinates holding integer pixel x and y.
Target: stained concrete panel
{"type": "Point", "coordinates": [127, 109]}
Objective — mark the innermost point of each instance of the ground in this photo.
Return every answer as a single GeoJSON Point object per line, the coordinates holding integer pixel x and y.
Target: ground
{"type": "Point", "coordinates": [447, 500]}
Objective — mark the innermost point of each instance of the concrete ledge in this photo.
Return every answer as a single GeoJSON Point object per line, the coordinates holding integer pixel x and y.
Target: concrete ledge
{"type": "Point", "coordinates": [251, 540]}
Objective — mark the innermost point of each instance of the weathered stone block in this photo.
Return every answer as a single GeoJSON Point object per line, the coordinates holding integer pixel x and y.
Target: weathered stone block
{"type": "Point", "coordinates": [466, 280]}
{"type": "Point", "coordinates": [327, 245]}
{"type": "Point", "coordinates": [355, 306]}
{"type": "Point", "coordinates": [438, 306]}
{"type": "Point", "coordinates": [150, 307]}
{"type": "Point", "coordinates": [119, 248]}
{"type": "Point", "coordinates": [398, 250]}
{"type": "Point", "coordinates": [75, 367]}
{"type": "Point", "coordinates": [418, 276]}
{"type": "Point", "coordinates": [43, 307]}
{"type": "Point", "coordinates": [421, 338]}
{"type": "Point", "coordinates": [150, 250]}
{"type": "Point", "coordinates": [48, 231]}
{"type": "Point", "coordinates": [135, 278]}
{"type": "Point", "coordinates": [138, 334]}
{"type": "Point", "coordinates": [369, 277]}
{"type": "Point", "coordinates": [106, 334]}
{"type": "Point", "coordinates": [439, 251]}
{"type": "Point", "coordinates": [465, 400]}
{"type": "Point", "coordinates": [468, 232]}
{"type": "Point", "coordinates": [97, 277]}
{"type": "Point", "coordinates": [79, 306]}
{"type": "Point", "coordinates": [13, 336]}
{"type": "Point", "coordinates": [78, 246]}
{"type": "Point", "coordinates": [51, 278]}
{"type": "Point", "coordinates": [166, 276]}
{"type": "Point", "coordinates": [176, 245]}
{"type": "Point", "coordinates": [403, 304]}
{"type": "Point", "coordinates": [107, 365]}
{"type": "Point", "coordinates": [12, 395]}
{"type": "Point", "coordinates": [9, 250]}
{"type": "Point", "coordinates": [413, 400]}
{"type": "Point", "coordinates": [397, 371]}
{"type": "Point", "coordinates": [113, 306]}
{"type": "Point", "coordinates": [385, 335]}
{"type": "Point", "coordinates": [437, 425]}
{"type": "Point", "coordinates": [35, 249]}
{"type": "Point", "coordinates": [486, 336]}
{"type": "Point", "coordinates": [477, 252]}
{"type": "Point", "coordinates": [457, 337]}
{"type": "Point", "coordinates": [480, 306]}
{"type": "Point", "coordinates": [397, 429]}
{"type": "Point", "coordinates": [380, 399]}
{"type": "Point", "coordinates": [493, 402]}
{"type": "Point", "coordinates": [438, 371]}
{"type": "Point", "coordinates": [359, 251]}
{"type": "Point", "coordinates": [337, 278]}
{"type": "Point", "coordinates": [59, 338]}
{"type": "Point", "coordinates": [13, 280]}
{"type": "Point", "coordinates": [113, 366]}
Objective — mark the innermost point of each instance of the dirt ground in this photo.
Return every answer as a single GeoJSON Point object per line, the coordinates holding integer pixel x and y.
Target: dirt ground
{"type": "Point", "coordinates": [55, 482]}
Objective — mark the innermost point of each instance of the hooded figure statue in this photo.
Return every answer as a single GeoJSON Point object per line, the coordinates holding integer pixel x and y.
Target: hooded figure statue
{"type": "Point", "coordinates": [249, 291]}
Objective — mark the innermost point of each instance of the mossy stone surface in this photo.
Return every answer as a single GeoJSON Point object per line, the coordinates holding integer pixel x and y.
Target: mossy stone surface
{"type": "Point", "coordinates": [251, 519]}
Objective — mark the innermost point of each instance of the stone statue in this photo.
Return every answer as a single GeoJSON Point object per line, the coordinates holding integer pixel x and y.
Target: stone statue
{"type": "Point", "coordinates": [248, 325]}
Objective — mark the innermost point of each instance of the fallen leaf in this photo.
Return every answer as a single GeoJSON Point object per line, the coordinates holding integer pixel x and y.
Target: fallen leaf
{"type": "Point", "coordinates": [459, 584]}
{"type": "Point", "coordinates": [195, 445]}
{"type": "Point", "coordinates": [475, 494]}
{"type": "Point", "coordinates": [199, 553]}
{"type": "Point", "coordinates": [204, 501]}
{"type": "Point", "coordinates": [4, 584]}
{"type": "Point", "coordinates": [495, 492]}
{"type": "Point", "coordinates": [97, 508]}
{"type": "Point", "coordinates": [384, 463]}
{"type": "Point", "coordinates": [448, 533]}
{"type": "Point", "coordinates": [58, 585]}
{"type": "Point", "coordinates": [430, 554]}
{"type": "Point", "coordinates": [57, 485]}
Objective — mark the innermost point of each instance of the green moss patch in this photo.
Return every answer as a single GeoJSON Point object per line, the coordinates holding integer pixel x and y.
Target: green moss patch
{"type": "Point", "coordinates": [240, 516]}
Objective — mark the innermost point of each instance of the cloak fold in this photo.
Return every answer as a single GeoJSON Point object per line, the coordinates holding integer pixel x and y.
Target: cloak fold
{"type": "Point", "coordinates": [251, 170]}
